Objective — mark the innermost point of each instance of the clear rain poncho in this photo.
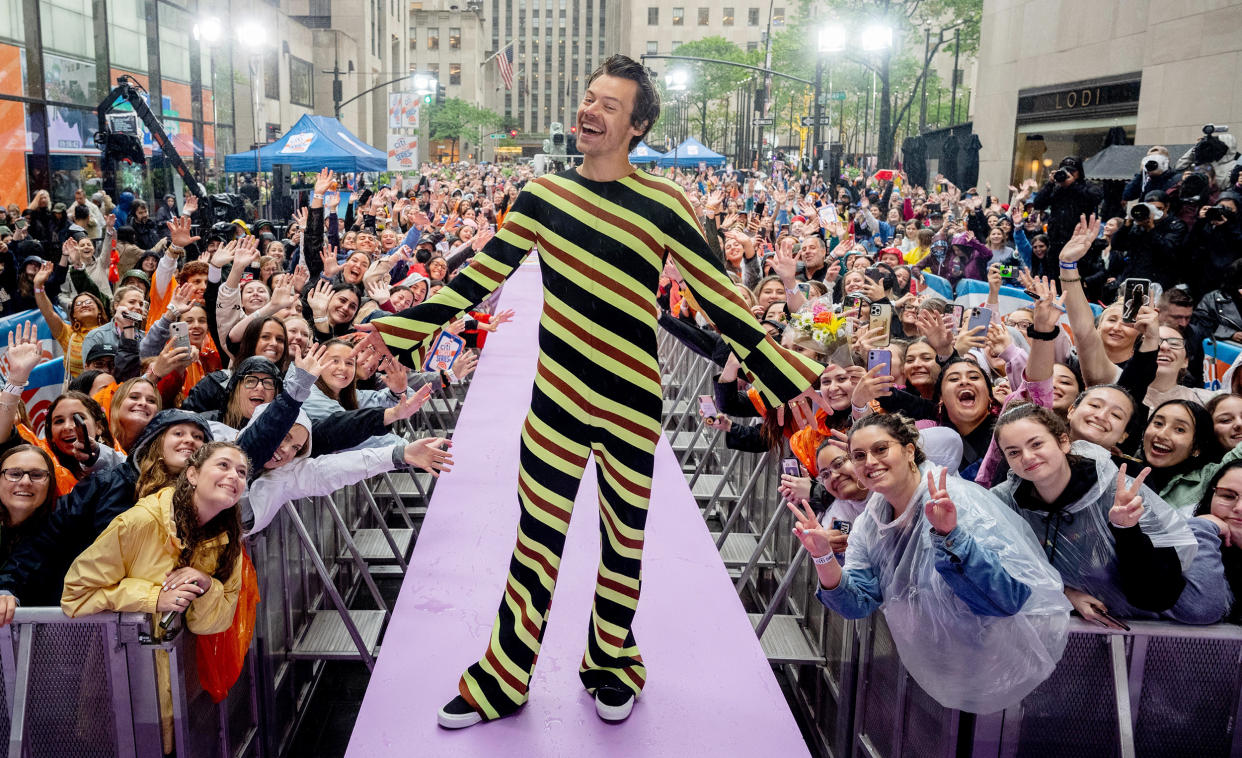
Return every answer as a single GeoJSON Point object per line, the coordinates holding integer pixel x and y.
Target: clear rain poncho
{"type": "Point", "coordinates": [1080, 543]}
{"type": "Point", "coordinates": [966, 661]}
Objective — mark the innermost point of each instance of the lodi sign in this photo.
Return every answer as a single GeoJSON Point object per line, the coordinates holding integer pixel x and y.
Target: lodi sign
{"type": "Point", "coordinates": [1112, 96]}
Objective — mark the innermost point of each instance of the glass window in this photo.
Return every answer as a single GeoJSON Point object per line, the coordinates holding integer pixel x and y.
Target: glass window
{"type": "Point", "coordinates": [752, 16]}
{"type": "Point", "coordinates": [69, 51]}
{"type": "Point", "coordinates": [653, 47]}
{"type": "Point", "coordinates": [175, 26]}
{"type": "Point", "coordinates": [455, 73]}
{"type": "Point", "coordinates": [127, 35]}
{"type": "Point", "coordinates": [704, 16]}
{"type": "Point", "coordinates": [271, 75]}
{"type": "Point", "coordinates": [454, 38]}
{"type": "Point", "coordinates": [727, 19]}
{"type": "Point", "coordinates": [778, 17]}
{"type": "Point", "coordinates": [433, 38]}
{"type": "Point", "coordinates": [752, 46]}
{"type": "Point", "coordinates": [220, 95]}
{"type": "Point", "coordinates": [11, 24]}
{"type": "Point", "coordinates": [653, 16]}
{"type": "Point", "coordinates": [679, 16]}
{"type": "Point", "coordinates": [301, 82]}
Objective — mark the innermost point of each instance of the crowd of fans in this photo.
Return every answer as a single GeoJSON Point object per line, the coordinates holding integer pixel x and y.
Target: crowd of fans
{"type": "Point", "coordinates": [210, 376]}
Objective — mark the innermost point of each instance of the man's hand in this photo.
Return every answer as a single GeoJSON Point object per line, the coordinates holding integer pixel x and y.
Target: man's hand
{"type": "Point", "coordinates": [179, 232]}
{"type": "Point", "coordinates": [1086, 232]}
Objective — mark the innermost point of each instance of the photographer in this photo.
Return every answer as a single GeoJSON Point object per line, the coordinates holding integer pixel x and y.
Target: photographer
{"type": "Point", "coordinates": [1215, 240]}
{"type": "Point", "coordinates": [1150, 241]}
{"type": "Point", "coordinates": [1153, 174]}
{"type": "Point", "coordinates": [1066, 196]}
{"type": "Point", "coordinates": [1217, 149]}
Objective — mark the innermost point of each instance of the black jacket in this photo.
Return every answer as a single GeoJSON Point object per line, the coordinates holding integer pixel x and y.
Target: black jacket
{"type": "Point", "coordinates": [1135, 189]}
{"type": "Point", "coordinates": [1064, 206]}
{"type": "Point", "coordinates": [35, 573]}
{"type": "Point", "coordinates": [1212, 249]}
{"type": "Point", "coordinates": [1154, 253]}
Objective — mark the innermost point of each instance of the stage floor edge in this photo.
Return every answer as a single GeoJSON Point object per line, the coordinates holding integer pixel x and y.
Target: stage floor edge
{"type": "Point", "coordinates": [710, 691]}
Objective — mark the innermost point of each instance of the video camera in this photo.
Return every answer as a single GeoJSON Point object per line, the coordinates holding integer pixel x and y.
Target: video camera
{"type": "Point", "coordinates": [1210, 148]}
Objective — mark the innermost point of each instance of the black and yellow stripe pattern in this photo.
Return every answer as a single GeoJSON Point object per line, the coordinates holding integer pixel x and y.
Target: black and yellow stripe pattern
{"type": "Point", "coordinates": [597, 391]}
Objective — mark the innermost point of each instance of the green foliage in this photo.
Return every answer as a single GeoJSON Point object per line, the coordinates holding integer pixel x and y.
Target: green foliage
{"type": "Point", "coordinates": [456, 119]}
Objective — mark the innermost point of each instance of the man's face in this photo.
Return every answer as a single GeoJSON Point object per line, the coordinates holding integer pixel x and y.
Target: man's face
{"type": "Point", "coordinates": [1176, 316]}
{"type": "Point", "coordinates": [105, 364]}
{"type": "Point", "coordinates": [812, 252]}
{"type": "Point", "coordinates": [79, 196]}
{"type": "Point", "coordinates": [604, 116]}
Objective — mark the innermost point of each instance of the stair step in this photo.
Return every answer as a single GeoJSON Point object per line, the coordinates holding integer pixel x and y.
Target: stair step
{"type": "Point", "coordinates": [784, 641]}
{"type": "Point", "coordinates": [739, 547]}
{"type": "Point", "coordinates": [328, 638]}
{"type": "Point", "coordinates": [706, 484]}
{"type": "Point", "coordinates": [375, 548]}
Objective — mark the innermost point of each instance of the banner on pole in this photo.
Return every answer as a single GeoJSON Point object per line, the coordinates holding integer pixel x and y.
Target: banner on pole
{"type": "Point", "coordinates": [402, 152]}
{"type": "Point", "coordinates": [402, 111]}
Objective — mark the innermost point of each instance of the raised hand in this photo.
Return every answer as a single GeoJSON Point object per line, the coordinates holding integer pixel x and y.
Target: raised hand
{"type": "Point", "coordinates": [408, 405]}
{"type": "Point", "coordinates": [1128, 502]}
{"type": "Point", "coordinates": [43, 274]}
{"type": "Point", "coordinates": [367, 340]}
{"type": "Point", "coordinates": [466, 363]}
{"type": "Point", "coordinates": [482, 238]}
{"type": "Point", "coordinates": [784, 263]}
{"type": "Point", "coordinates": [971, 339]}
{"type": "Point", "coordinates": [300, 217]}
{"type": "Point", "coordinates": [377, 289]}
{"type": "Point", "coordinates": [323, 181]}
{"type": "Point", "coordinates": [301, 275]}
{"type": "Point", "coordinates": [814, 537]}
{"type": "Point", "coordinates": [998, 339]}
{"type": "Point", "coordinates": [24, 353]}
{"type": "Point", "coordinates": [283, 294]}
{"type": "Point", "coordinates": [247, 252]}
{"type": "Point", "coordinates": [1085, 232]}
{"type": "Point", "coordinates": [182, 297]}
{"type": "Point", "coordinates": [932, 326]}
{"type": "Point", "coordinates": [179, 232]}
{"type": "Point", "coordinates": [319, 297]}
{"type": "Point", "coordinates": [430, 454]}
{"type": "Point", "coordinates": [396, 375]}
{"type": "Point", "coordinates": [328, 255]}
{"type": "Point", "coordinates": [873, 384]}
{"type": "Point", "coordinates": [940, 510]}
{"type": "Point", "coordinates": [503, 317]}
{"type": "Point", "coordinates": [1048, 307]}
{"type": "Point", "coordinates": [190, 206]}
{"type": "Point", "coordinates": [223, 254]}
{"type": "Point", "coordinates": [314, 360]}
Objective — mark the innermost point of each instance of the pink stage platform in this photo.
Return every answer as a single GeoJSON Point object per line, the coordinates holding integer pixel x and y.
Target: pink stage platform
{"type": "Point", "coordinates": [710, 691]}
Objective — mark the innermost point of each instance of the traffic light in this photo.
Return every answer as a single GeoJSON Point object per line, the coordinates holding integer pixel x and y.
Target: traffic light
{"type": "Point", "coordinates": [760, 97]}
{"type": "Point", "coordinates": [427, 99]}
{"type": "Point", "coordinates": [439, 94]}
{"type": "Point", "coordinates": [573, 129]}
{"type": "Point", "coordinates": [512, 133]}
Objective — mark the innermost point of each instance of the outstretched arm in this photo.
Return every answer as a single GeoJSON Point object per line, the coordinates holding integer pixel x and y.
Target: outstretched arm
{"type": "Point", "coordinates": [1096, 367]}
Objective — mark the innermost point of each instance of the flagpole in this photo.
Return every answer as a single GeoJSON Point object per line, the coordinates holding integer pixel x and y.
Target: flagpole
{"type": "Point", "coordinates": [498, 52]}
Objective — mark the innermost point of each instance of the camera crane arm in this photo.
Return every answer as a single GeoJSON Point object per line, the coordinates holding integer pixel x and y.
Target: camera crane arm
{"type": "Point", "coordinates": [115, 146]}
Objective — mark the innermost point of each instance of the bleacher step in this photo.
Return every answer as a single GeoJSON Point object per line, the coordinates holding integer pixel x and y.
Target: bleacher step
{"type": "Point", "coordinates": [375, 548]}
{"type": "Point", "coordinates": [328, 638]}
{"type": "Point", "coordinates": [784, 641]}
{"type": "Point", "coordinates": [705, 486]}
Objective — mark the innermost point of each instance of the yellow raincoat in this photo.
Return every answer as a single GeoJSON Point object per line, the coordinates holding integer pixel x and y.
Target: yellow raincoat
{"type": "Point", "coordinates": [125, 567]}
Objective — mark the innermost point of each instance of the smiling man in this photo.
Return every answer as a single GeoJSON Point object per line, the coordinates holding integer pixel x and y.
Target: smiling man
{"type": "Point", "coordinates": [604, 232]}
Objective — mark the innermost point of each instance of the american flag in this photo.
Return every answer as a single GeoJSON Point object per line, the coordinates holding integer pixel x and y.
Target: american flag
{"type": "Point", "coordinates": [505, 62]}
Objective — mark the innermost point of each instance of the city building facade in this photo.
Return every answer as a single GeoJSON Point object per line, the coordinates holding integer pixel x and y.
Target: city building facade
{"type": "Point", "coordinates": [1055, 77]}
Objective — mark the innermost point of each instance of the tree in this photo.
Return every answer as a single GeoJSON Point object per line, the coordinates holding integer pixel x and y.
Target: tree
{"type": "Point", "coordinates": [710, 82]}
{"type": "Point", "coordinates": [900, 71]}
{"type": "Point", "coordinates": [455, 119]}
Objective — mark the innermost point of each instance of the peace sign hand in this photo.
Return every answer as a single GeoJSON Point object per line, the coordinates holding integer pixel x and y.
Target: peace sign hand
{"type": "Point", "coordinates": [940, 510]}
{"type": "Point", "coordinates": [1128, 502]}
{"type": "Point", "coordinates": [808, 530]}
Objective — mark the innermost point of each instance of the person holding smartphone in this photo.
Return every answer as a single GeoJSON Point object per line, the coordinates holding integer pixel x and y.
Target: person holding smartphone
{"type": "Point", "coordinates": [1121, 550]}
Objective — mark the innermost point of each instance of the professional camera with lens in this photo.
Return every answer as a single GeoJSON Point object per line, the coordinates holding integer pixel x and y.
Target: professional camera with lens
{"type": "Point", "coordinates": [1210, 148]}
{"type": "Point", "coordinates": [1140, 212]}
{"type": "Point", "coordinates": [1155, 162]}
{"type": "Point", "coordinates": [1195, 188]}
{"type": "Point", "coordinates": [1215, 213]}
{"type": "Point", "coordinates": [1060, 176]}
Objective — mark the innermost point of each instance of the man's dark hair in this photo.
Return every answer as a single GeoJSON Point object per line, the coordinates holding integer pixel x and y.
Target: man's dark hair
{"type": "Point", "coordinates": [646, 102]}
{"type": "Point", "coordinates": [1177, 296]}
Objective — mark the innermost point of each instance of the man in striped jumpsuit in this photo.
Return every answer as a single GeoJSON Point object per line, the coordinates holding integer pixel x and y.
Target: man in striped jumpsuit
{"type": "Point", "coordinates": [603, 232]}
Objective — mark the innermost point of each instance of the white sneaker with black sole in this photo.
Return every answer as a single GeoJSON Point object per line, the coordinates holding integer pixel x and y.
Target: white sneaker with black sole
{"type": "Point", "coordinates": [613, 703]}
{"type": "Point", "coordinates": [458, 714]}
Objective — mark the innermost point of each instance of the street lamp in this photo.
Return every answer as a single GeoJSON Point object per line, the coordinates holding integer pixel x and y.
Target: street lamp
{"type": "Point", "coordinates": [832, 39]}
{"type": "Point", "coordinates": [877, 37]}
{"type": "Point", "coordinates": [252, 36]}
{"type": "Point", "coordinates": [678, 81]}
{"type": "Point", "coordinates": [208, 30]}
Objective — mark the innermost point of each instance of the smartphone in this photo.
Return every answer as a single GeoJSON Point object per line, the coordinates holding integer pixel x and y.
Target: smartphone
{"type": "Point", "coordinates": [979, 316]}
{"type": "Point", "coordinates": [1104, 612]}
{"type": "Point", "coordinates": [1008, 272]}
{"type": "Point", "coordinates": [958, 312]}
{"type": "Point", "coordinates": [880, 358]}
{"type": "Point", "coordinates": [841, 525]}
{"type": "Point", "coordinates": [79, 426]}
{"type": "Point", "coordinates": [180, 333]}
{"type": "Point", "coordinates": [881, 316]}
{"type": "Point", "coordinates": [1134, 296]}
{"type": "Point", "coordinates": [135, 316]}
{"type": "Point", "coordinates": [791, 466]}
{"type": "Point", "coordinates": [21, 223]}
{"type": "Point", "coordinates": [873, 273]}
{"type": "Point", "coordinates": [707, 406]}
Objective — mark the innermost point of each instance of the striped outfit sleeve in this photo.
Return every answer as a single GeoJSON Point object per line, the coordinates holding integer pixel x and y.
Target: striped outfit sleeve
{"type": "Point", "coordinates": [405, 333]}
{"type": "Point", "coordinates": [780, 374]}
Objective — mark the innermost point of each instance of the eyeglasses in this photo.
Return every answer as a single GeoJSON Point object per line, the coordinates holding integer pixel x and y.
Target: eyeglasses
{"type": "Point", "coordinates": [266, 382]}
{"type": "Point", "coordinates": [877, 451]}
{"type": "Point", "coordinates": [38, 476]}
{"type": "Point", "coordinates": [826, 472]}
{"type": "Point", "coordinates": [1021, 325]}
{"type": "Point", "coordinates": [1227, 497]}
{"type": "Point", "coordinates": [1177, 343]}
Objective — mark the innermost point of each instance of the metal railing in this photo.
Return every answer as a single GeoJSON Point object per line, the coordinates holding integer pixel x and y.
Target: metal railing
{"type": "Point", "coordinates": [1159, 690]}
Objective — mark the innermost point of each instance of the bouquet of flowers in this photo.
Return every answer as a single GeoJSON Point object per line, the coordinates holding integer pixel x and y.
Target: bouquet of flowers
{"type": "Point", "coordinates": [818, 322]}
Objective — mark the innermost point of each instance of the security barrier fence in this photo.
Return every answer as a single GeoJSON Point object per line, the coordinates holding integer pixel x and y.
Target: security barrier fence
{"type": "Point", "coordinates": [87, 686]}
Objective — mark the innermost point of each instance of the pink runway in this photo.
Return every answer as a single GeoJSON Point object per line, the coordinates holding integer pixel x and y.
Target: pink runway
{"type": "Point", "coordinates": [710, 691]}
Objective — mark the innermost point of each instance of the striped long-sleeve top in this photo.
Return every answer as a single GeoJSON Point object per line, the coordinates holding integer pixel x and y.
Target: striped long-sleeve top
{"type": "Point", "coordinates": [602, 248]}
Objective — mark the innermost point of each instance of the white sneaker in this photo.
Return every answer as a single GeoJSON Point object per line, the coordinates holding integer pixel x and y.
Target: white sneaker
{"type": "Point", "coordinates": [457, 714]}
{"type": "Point", "coordinates": [613, 703]}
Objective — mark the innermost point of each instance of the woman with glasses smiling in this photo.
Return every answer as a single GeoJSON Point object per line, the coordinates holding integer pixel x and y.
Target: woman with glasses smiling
{"type": "Point", "coordinates": [1222, 507]}
{"type": "Point", "coordinates": [1172, 363]}
{"type": "Point", "coordinates": [976, 611]}
{"type": "Point", "coordinates": [26, 494]}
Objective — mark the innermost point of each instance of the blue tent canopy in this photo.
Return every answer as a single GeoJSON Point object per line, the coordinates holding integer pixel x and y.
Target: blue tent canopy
{"type": "Point", "coordinates": [644, 153]}
{"type": "Point", "coordinates": [690, 153]}
{"type": "Point", "coordinates": [314, 142]}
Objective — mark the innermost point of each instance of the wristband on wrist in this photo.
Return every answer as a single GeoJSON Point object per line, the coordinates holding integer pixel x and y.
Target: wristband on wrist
{"type": "Point", "coordinates": [1072, 280]}
{"type": "Point", "coordinates": [860, 410]}
{"type": "Point", "coordinates": [1047, 336]}
{"type": "Point", "coordinates": [321, 319]}
{"type": "Point", "coordinates": [38, 290]}
{"type": "Point", "coordinates": [823, 559]}
{"type": "Point", "coordinates": [15, 389]}
{"type": "Point", "coordinates": [1069, 265]}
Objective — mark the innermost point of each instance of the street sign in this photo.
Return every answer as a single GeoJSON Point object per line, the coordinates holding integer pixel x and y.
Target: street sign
{"type": "Point", "coordinates": [498, 135]}
{"type": "Point", "coordinates": [836, 95]}
{"type": "Point", "coordinates": [810, 121]}
{"type": "Point", "coordinates": [761, 122]}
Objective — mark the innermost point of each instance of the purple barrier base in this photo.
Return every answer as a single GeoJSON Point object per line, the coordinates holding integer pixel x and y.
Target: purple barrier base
{"type": "Point", "coordinates": [710, 691]}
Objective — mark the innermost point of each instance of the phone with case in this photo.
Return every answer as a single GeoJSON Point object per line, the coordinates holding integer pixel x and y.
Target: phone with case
{"type": "Point", "coordinates": [979, 316]}
{"type": "Point", "coordinates": [1134, 296]}
{"type": "Point", "coordinates": [881, 316]}
{"type": "Point", "coordinates": [958, 312]}
{"type": "Point", "coordinates": [791, 466]}
{"type": "Point", "coordinates": [707, 406]}
{"type": "Point", "coordinates": [880, 358]}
